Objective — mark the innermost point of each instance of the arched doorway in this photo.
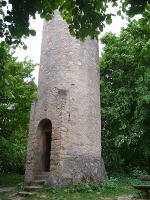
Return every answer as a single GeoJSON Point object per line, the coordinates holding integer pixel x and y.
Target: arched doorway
{"type": "Point", "coordinates": [45, 127]}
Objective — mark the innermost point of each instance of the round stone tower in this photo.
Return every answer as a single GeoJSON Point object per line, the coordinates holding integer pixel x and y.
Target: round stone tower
{"type": "Point", "coordinates": [65, 123]}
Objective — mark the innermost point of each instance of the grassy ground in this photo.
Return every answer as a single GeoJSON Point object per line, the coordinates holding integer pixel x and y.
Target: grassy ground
{"type": "Point", "coordinates": [8, 180]}
{"type": "Point", "coordinates": [9, 183]}
{"type": "Point", "coordinates": [110, 189]}
{"type": "Point", "coordinates": [97, 193]}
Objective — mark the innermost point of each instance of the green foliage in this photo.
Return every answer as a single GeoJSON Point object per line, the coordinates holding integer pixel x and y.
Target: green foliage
{"type": "Point", "coordinates": [133, 7]}
{"type": "Point", "coordinates": [125, 98]}
{"type": "Point", "coordinates": [136, 173]}
{"type": "Point", "coordinates": [79, 188]}
{"type": "Point", "coordinates": [20, 187]}
{"type": "Point", "coordinates": [112, 188]}
{"type": "Point", "coordinates": [84, 17]}
{"type": "Point", "coordinates": [17, 90]}
{"type": "Point", "coordinates": [9, 179]}
{"type": "Point", "coordinates": [110, 183]}
{"type": "Point", "coordinates": [13, 154]}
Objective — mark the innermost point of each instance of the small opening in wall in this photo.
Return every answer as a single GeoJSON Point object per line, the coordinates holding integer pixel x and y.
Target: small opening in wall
{"type": "Point", "coordinates": [46, 135]}
{"type": "Point", "coordinates": [46, 150]}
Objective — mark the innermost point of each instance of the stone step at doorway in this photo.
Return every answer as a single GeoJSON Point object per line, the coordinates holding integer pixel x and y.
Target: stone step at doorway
{"type": "Point", "coordinates": [42, 176]}
{"type": "Point", "coordinates": [37, 183]}
{"type": "Point", "coordinates": [32, 188]}
{"type": "Point", "coordinates": [25, 194]}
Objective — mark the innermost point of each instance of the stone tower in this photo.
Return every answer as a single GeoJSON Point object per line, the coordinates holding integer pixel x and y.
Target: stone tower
{"type": "Point", "coordinates": [64, 135]}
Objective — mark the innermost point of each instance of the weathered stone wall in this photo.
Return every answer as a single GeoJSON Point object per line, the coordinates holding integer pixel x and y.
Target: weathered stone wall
{"type": "Point", "coordinates": [69, 96]}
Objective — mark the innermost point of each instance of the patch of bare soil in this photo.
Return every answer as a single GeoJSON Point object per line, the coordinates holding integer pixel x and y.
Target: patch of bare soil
{"type": "Point", "coordinates": [128, 198]}
{"type": "Point", "coordinates": [6, 189]}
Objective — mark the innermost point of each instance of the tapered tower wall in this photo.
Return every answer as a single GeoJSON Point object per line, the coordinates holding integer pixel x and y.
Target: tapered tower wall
{"type": "Point", "coordinates": [69, 96]}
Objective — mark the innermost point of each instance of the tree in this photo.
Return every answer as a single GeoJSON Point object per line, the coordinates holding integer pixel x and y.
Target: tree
{"type": "Point", "coordinates": [82, 16]}
{"type": "Point", "coordinates": [17, 90]}
{"type": "Point", "coordinates": [125, 98]}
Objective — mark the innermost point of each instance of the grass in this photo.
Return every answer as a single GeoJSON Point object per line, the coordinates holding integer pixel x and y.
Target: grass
{"type": "Point", "coordinates": [111, 188]}
{"type": "Point", "coordinates": [9, 180]}
{"type": "Point", "coordinates": [69, 194]}
{"type": "Point", "coordinates": [4, 196]}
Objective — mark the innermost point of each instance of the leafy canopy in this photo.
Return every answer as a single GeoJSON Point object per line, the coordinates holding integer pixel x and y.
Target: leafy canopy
{"type": "Point", "coordinates": [125, 97]}
{"type": "Point", "coordinates": [84, 17]}
{"type": "Point", "coordinates": [17, 90]}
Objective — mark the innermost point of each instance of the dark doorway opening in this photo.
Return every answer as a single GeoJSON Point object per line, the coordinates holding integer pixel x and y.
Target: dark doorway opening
{"type": "Point", "coordinates": [45, 127]}
{"type": "Point", "coordinates": [46, 150]}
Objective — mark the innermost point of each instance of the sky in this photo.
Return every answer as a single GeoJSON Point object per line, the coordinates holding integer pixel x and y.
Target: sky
{"type": "Point", "coordinates": [33, 46]}
{"type": "Point", "coordinates": [34, 42]}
